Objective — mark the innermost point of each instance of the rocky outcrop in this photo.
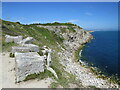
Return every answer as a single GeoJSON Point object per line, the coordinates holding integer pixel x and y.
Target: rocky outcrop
{"type": "Point", "coordinates": [14, 39]}
{"type": "Point", "coordinates": [27, 40]}
{"type": "Point", "coordinates": [72, 43]}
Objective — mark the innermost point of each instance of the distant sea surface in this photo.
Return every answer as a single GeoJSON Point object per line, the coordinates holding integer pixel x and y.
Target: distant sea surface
{"type": "Point", "coordinates": [102, 51]}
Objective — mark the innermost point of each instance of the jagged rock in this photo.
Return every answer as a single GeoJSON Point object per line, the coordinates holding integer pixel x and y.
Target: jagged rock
{"type": "Point", "coordinates": [27, 40]}
{"type": "Point", "coordinates": [28, 63]}
{"type": "Point", "coordinates": [14, 39]}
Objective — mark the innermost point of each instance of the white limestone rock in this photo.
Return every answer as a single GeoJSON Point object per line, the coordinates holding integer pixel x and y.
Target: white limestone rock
{"type": "Point", "coordinates": [27, 40]}
{"type": "Point", "coordinates": [14, 39]}
{"type": "Point", "coordinates": [19, 49]}
{"type": "Point", "coordinates": [25, 48]}
{"type": "Point", "coordinates": [28, 63]}
{"type": "Point", "coordinates": [32, 47]}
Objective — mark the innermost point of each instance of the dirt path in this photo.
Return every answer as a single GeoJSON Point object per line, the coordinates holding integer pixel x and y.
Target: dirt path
{"type": "Point", "coordinates": [8, 75]}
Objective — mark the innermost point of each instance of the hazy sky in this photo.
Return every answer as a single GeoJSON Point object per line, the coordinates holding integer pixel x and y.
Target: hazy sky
{"type": "Point", "coordinates": [89, 15]}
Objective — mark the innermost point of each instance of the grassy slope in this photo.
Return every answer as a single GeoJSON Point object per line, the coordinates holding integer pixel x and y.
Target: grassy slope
{"type": "Point", "coordinates": [42, 37]}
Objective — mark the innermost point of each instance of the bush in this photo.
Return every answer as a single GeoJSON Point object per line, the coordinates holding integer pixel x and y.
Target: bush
{"type": "Point", "coordinates": [40, 53]}
{"type": "Point", "coordinates": [12, 55]}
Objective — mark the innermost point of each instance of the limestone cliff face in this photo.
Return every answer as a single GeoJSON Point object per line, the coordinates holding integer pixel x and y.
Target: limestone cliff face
{"type": "Point", "coordinates": [73, 36]}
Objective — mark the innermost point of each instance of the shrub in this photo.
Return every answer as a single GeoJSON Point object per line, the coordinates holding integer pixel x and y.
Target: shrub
{"type": "Point", "coordinates": [40, 53]}
{"type": "Point", "coordinates": [12, 55]}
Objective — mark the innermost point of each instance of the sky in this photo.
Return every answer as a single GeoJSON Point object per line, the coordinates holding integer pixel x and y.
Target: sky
{"type": "Point", "coordinates": [88, 15]}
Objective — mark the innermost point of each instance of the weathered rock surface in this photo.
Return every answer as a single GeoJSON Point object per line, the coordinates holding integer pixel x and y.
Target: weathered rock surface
{"type": "Point", "coordinates": [27, 40]}
{"type": "Point", "coordinates": [25, 48]}
{"type": "Point", "coordinates": [14, 39]}
{"type": "Point", "coordinates": [19, 49]}
{"type": "Point", "coordinates": [28, 63]}
{"type": "Point", "coordinates": [32, 47]}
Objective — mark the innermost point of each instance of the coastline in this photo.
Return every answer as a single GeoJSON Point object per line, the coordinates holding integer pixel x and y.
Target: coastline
{"type": "Point", "coordinates": [83, 74]}
{"type": "Point", "coordinates": [99, 73]}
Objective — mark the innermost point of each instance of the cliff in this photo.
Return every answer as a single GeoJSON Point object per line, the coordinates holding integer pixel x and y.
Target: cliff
{"type": "Point", "coordinates": [65, 39]}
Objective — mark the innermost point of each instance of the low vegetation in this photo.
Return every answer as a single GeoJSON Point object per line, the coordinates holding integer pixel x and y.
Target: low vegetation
{"type": "Point", "coordinates": [77, 56]}
{"type": "Point", "coordinates": [7, 46]}
{"type": "Point", "coordinates": [40, 75]}
{"type": "Point", "coordinates": [12, 55]}
{"type": "Point", "coordinates": [55, 24]}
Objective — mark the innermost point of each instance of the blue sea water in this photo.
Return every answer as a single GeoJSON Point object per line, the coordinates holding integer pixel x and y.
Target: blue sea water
{"type": "Point", "coordinates": [102, 51]}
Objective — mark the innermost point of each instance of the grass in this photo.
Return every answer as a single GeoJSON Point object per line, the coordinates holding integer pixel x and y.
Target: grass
{"type": "Point", "coordinates": [71, 29]}
{"type": "Point", "coordinates": [77, 56]}
{"type": "Point", "coordinates": [40, 53]}
{"type": "Point", "coordinates": [40, 75]}
{"type": "Point", "coordinates": [54, 24]}
{"type": "Point", "coordinates": [7, 46]}
{"type": "Point", "coordinates": [92, 86]}
{"type": "Point", "coordinates": [43, 36]}
{"type": "Point", "coordinates": [12, 55]}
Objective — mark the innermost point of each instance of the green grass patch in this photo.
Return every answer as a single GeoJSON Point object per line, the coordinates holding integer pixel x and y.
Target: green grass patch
{"type": "Point", "coordinates": [12, 55]}
{"type": "Point", "coordinates": [40, 75]}
{"type": "Point", "coordinates": [7, 46]}
{"type": "Point", "coordinates": [77, 56]}
{"type": "Point", "coordinates": [92, 86]}
{"type": "Point", "coordinates": [54, 85]}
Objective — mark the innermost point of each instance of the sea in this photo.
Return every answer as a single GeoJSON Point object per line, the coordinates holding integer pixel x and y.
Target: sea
{"type": "Point", "coordinates": [102, 52]}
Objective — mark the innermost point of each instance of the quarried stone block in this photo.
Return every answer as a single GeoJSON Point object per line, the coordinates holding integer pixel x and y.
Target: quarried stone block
{"type": "Point", "coordinates": [28, 63]}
